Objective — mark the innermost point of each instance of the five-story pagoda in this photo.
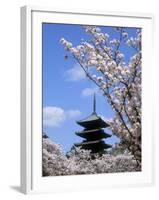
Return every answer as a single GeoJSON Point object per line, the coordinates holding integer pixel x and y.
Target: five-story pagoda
{"type": "Point", "coordinates": [93, 132]}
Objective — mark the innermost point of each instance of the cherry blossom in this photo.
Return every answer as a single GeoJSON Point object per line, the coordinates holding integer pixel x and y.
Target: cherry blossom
{"type": "Point", "coordinates": [118, 78]}
{"type": "Point", "coordinates": [79, 161]}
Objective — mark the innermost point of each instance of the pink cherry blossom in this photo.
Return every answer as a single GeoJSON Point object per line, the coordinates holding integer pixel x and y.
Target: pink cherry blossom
{"type": "Point", "coordinates": [119, 80]}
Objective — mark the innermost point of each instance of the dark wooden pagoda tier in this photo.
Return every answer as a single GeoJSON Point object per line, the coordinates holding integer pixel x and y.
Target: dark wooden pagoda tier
{"type": "Point", "coordinates": [95, 146]}
{"type": "Point", "coordinates": [93, 132]}
{"type": "Point", "coordinates": [93, 121]}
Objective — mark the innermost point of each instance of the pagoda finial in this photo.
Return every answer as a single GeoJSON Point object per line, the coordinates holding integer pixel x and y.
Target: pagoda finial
{"type": "Point", "coordinates": [94, 103]}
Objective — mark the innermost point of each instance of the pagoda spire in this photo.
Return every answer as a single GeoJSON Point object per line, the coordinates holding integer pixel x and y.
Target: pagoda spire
{"type": "Point", "coordinates": [94, 103]}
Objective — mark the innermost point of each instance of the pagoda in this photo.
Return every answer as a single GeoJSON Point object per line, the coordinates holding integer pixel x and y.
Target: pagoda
{"type": "Point", "coordinates": [93, 132]}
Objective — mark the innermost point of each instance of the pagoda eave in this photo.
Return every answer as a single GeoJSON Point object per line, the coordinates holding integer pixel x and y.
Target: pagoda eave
{"type": "Point", "coordinates": [91, 143]}
{"type": "Point", "coordinates": [93, 121]}
{"type": "Point", "coordinates": [94, 146]}
{"type": "Point", "coordinates": [93, 134]}
{"type": "Point", "coordinates": [93, 124]}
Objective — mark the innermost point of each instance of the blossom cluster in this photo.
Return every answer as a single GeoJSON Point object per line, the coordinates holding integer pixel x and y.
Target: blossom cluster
{"type": "Point", "coordinates": [80, 161]}
{"type": "Point", "coordinates": [117, 77]}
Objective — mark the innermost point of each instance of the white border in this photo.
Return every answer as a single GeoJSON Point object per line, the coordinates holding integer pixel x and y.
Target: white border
{"type": "Point", "coordinates": [32, 181]}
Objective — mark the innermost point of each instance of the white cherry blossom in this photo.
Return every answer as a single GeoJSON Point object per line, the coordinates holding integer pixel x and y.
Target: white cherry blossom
{"type": "Point", "coordinates": [78, 161]}
{"type": "Point", "coordinates": [118, 78]}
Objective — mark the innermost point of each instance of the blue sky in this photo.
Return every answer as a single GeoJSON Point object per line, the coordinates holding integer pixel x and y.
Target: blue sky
{"type": "Point", "coordinates": [67, 94]}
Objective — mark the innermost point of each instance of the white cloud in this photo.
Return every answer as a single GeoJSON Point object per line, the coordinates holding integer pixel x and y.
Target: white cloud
{"type": "Point", "coordinates": [55, 116]}
{"type": "Point", "coordinates": [89, 91]}
{"type": "Point", "coordinates": [76, 73]}
{"type": "Point", "coordinates": [73, 113]}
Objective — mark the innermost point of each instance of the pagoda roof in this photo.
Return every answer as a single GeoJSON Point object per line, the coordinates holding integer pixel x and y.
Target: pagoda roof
{"type": "Point", "coordinates": [92, 143]}
{"type": "Point", "coordinates": [93, 132]}
{"type": "Point", "coordinates": [93, 120]}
